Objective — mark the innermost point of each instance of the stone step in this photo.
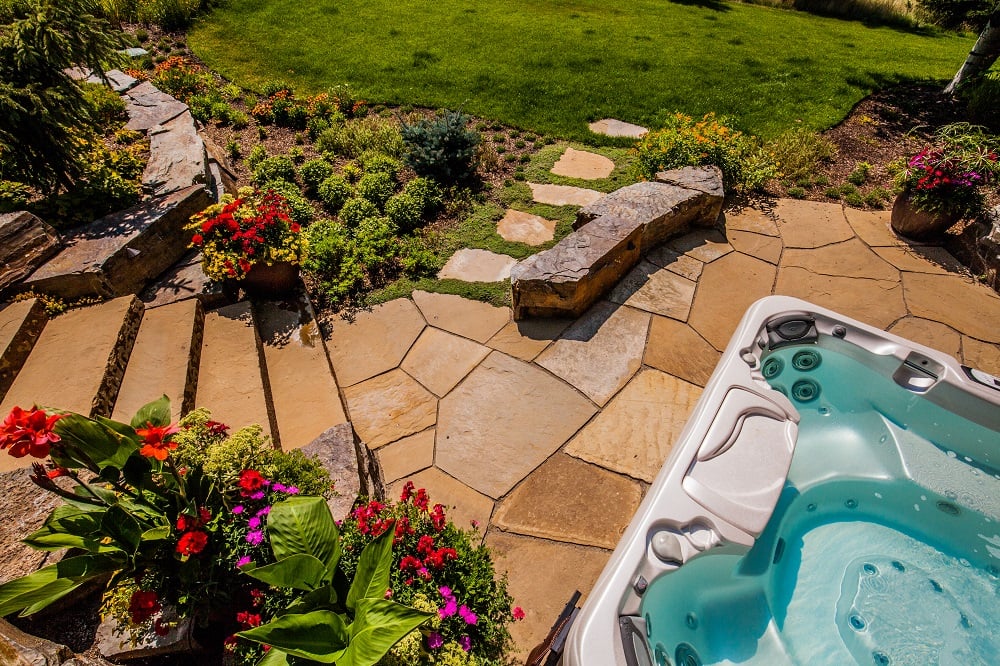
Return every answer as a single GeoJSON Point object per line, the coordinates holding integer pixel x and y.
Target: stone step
{"type": "Point", "coordinates": [230, 383]}
{"type": "Point", "coordinates": [304, 394]}
{"type": "Point", "coordinates": [77, 363]}
{"type": "Point", "coordinates": [164, 360]}
{"type": "Point", "coordinates": [20, 325]}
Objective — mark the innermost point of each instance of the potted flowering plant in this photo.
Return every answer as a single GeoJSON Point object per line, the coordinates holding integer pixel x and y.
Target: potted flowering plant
{"type": "Point", "coordinates": [251, 240]}
{"type": "Point", "coordinates": [942, 183]}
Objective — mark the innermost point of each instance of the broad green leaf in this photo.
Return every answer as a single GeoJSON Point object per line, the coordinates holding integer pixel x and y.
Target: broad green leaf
{"type": "Point", "coordinates": [99, 445]}
{"type": "Point", "coordinates": [156, 412]}
{"type": "Point", "coordinates": [304, 525]}
{"type": "Point", "coordinates": [136, 471]}
{"type": "Point", "coordinates": [52, 582]}
{"type": "Point", "coordinates": [319, 599]}
{"type": "Point", "coordinates": [374, 566]}
{"type": "Point", "coordinates": [45, 540]}
{"type": "Point", "coordinates": [274, 657]}
{"type": "Point", "coordinates": [123, 528]}
{"type": "Point", "coordinates": [378, 625]}
{"type": "Point", "coordinates": [300, 572]}
{"type": "Point", "coordinates": [103, 494]}
{"type": "Point", "coordinates": [123, 429]}
{"type": "Point", "coordinates": [156, 534]}
{"type": "Point", "coordinates": [320, 635]}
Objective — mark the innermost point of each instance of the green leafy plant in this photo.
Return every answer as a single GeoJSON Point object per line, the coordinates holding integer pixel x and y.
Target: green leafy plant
{"type": "Point", "coordinates": [332, 622]}
{"type": "Point", "coordinates": [376, 187]}
{"type": "Point", "coordinates": [356, 210]}
{"type": "Point", "coordinates": [442, 148]}
{"type": "Point", "coordinates": [404, 211]}
{"type": "Point", "coordinates": [355, 137]}
{"type": "Point", "coordinates": [278, 167]}
{"type": "Point", "coordinates": [333, 192]}
{"type": "Point", "coordinates": [314, 172]}
{"type": "Point", "coordinates": [799, 153]}
{"type": "Point", "coordinates": [859, 176]}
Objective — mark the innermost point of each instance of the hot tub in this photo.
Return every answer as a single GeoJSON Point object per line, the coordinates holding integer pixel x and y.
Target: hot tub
{"type": "Point", "coordinates": [834, 499]}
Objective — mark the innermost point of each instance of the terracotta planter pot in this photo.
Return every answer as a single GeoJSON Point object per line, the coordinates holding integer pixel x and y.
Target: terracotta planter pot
{"type": "Point", "coordinates": [916, 224]}
{"type": "Point", "coordinates": [262, 281]}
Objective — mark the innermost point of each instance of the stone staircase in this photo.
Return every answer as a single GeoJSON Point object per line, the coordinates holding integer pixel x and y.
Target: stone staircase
{"type": "Point", "coordinates": [263, 363]}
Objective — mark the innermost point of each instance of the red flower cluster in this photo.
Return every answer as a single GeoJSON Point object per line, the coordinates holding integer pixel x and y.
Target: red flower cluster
{"type": "Point", "coordinates": [28, 432]}
{"type": "Point", "coordinates": [438, 519]}
{"type": "Point", "coordinates": [370, 520]}
{"type": "Point", "coordinates": [155, 442]}
{"type": "Point", "coordinates": [143, 605]}
{"type": "Point", "coordinates": [251, 482]}
{"type": "Point", "coordinates": [192, 543]}
{"type": "Point", "coordinates": [403, 529]}
{"type": "Point", "coordinates": [433, 558]}
{"type": "Point", "coordinates": [186, 522]}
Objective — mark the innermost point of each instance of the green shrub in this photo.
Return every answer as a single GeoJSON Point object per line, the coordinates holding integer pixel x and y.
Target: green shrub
{"type": "Point", "coordinates": [954, 14]}
{"type": "Point", "coordinates": [800, 152]}
{"type": "Point", "coordinates": [301, 211]}
{"type": "Point", "coordinates": [983, 100]}
{"type": "Point", "coordinates": [442, 148]}
{"type": "Point", "coordinates": [352, 172]}
{"type": "Point", "coordinates": [346, 260]}
{"type": "Point", "coordinates": [796, 193]}
{"type": "Point", "coordinates": [374, 162]}
{"type": "Point", "coordinates": [233, 149]}
{"type": "Point", "coordinates": [106, 106]}
{"type": "Point", "coordinates": [684, 141]}
{"type": "Point", "coordinates": [333, 192]}
{"type": "Point", "coordinates": [404, 211]}
{"type": "Point", "coordinates": [376, 188]}
{"type": "Point", "coordinates": [860, 174]}
{"type": "Point", "coordinates": [315, 172]}
{"type": "Point", "coordinates": [296, 154]}
{"type": "Point", "coordinates": [13, 196]}
{"type": "Point", "coordinates": [278, 167]}
{"type": "Point", "coordinates": [272, 88]}
{"type": "Point", "coordinates": [257, 155]}
{"type": "Point", "coordinates": [355, 137]}
{"type": "Point", "coordinates": [427, 194]}
{"type": "Point", "coordinates": [355, 210]}
{"type": "Point", "coordinates": [854, 199]}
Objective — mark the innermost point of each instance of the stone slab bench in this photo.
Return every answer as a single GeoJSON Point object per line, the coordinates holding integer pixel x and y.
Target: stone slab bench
{"type": "Point", "coordinates": [610, 237]}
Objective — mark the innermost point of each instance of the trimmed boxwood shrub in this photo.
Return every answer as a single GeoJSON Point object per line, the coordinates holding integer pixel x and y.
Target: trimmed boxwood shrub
{"type": "Point", "coordinates": [376, 188]}
{"type": "Point", "coordinates": [356, 210]}
{"type": "Point", "coordinates": [279, 167]}
{"type": "Point", "coordinates": [333, 192]}
{"type": "Point", "coordinates": [314, 172]}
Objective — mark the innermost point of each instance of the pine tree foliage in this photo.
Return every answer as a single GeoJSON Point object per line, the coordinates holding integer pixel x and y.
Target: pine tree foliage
{"type": "Point", "coordinates": [441, 148]}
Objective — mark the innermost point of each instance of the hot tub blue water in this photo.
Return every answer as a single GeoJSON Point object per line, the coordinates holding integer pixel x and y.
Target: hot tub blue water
{"type": "Point", "coordinates": [884, 546]}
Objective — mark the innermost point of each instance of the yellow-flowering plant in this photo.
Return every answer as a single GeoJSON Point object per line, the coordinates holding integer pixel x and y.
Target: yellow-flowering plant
{"type": "Point", "coordinates": [253, 228]}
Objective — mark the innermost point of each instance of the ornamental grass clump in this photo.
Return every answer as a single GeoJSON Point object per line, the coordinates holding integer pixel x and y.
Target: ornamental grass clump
{"type": "Point", "coordinates": [684, 141]}
{"type": "Point", "coordinates": [947, 176]}
{"type": "Point", "coordinates": [235, 234]}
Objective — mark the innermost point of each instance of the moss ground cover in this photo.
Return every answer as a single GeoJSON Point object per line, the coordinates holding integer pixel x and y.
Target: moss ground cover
{"type": "Point", "coordinates": [553, 66]}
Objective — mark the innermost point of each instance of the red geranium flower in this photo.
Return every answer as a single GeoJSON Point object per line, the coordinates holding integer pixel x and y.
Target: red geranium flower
{"type": "Point", "coordinates": [197, 239]}
{"type": "Point", "coordinates": [143, 605]}
{"type": "Point", "coordinates": [28, 432]}
{"type": "Point", "coordinates": [517, 612]}
{"type": "Point", "coordinates": [154, 440]}
{"type": "Point", "coordinates": [192, 543]}
{"type": "Point", "coordinates": [438, 519]}
{"type": "Point", "coordinates": [250, 482]}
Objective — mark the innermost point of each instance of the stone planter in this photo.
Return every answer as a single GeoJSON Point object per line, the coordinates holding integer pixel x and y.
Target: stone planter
{"type": "Point", "coordinates": [916, 224]}
{"type": "Point", "coordinates": [263, 281]}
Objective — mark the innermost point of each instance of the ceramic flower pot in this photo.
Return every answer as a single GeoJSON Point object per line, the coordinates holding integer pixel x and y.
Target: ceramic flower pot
{"type": "Point", "coordinates": [909, 221]}
{"type": "Point", "coordinates": [270, 281]}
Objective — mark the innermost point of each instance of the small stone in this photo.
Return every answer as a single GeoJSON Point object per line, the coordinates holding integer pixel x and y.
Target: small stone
{"type": "Point", "coordinates": [26, 242]}
{"type": "Point", "coordinates": [135, 52]}
{"type": "Point", "coordinates": [474, 265]}
{"type": "Point", "coordinates": [147, 106]}
{"type": "Point", "coordinates": [583, 164]}
{"type": "Point", "coordinates": [563, 195]}
{"type": "Point", "coordinates": [520, 227]}
{"type": "Point", "coordinates": [374, 342]}
{"type": "Point", "coordinates": [116, 80]}
{"type": "Point", "coordinates": [655, 290]}
{"type": "Point", "coordinates": [407, 456]}
{"type": "Point", "coordinates": [389, 407]}
{"type": "Point", "coordinates": [677, 349]}
{"type": "Point", "coordinates": [462, 504]}
{"type": "Point", "coordinates": [600, 352]}
{"type": "Point", "coordinates": [527, 339]}
{"type": "Point", "coordinates": [461, 316]}
{"type": "Point", "coordinates": [440, 360]}
{"type": "Point", "coordinates": [612, 127]}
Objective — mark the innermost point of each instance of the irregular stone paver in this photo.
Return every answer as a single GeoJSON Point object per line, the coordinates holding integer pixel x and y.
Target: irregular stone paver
{"type": "Point", "coordinates": [229, 380]}
{"type": "Point", "coordinates": [407, 456]}
{"type": "Point", "coordinates": [542, 576]}
{"type": "Point", "coordinates": [470, 319]}
{"type": "Point", "coordinates": [930, 333]}
{"type": "Point", "coordinates": [849, 259]}
{"type": "Point", "coordinates": [374, 342]}
{"type": "Point", "coordinates": [563, 195]}
{"type": "Point", "coordinates": [600, 352]}
{"type": "Point", "coordinates": [635, 432]}
{"type": "Point", "coordinates": [760, 246]}
{"type": "Point", "coordinates": [811, 223]}
{"type": "Point", "coordinates": [177, 157]}
{"type": "Point", "coordinates": [655, 290]}
{"type": "Point", "coordinates": [583, 164]}
{"type": "Point", "coordinates": [20, 325]}
{"type": "Point", "coordinates": [503, 421]}
{"type": "Point", "coordinates": [876, 302]}
{"type": "Point", "coordinates": [958, 302]}
{"type": "Point", "coordinates": [872, 226]}
{"type": "Point", "coordinates": [389, 407]}
{"type": "Point", "coordinates": [164, 360]}
{"type": "Point", "coordinates": [439, 360]}
{"type": "Point", "coordinates": [752, 220]}
{"type": "Point", "coordinates": [981, 355]}
{"type": "Point", "coordinates": [77, 363]}
{"type": "Point", "coordinates": [521, 227]}
{"type": "Point", "coordinates": [726, 289]}
{"type": "Point", "coordinates": [703, 245]}
{"type": "Point", "coordinates": [527, 339]}
{"type": "Point", "coordinates": [462, 504]}
{"type": "Point", "coordinates": [905, 259]}
{"type": "Point", "coordinates": [474, 265]}
{"type": "Point", "coordinates": [675, 262]}
{"type": "Point", "coordinates": [304, 395]}
{"type": "Point", "coordinates": [612, 127]}
{"type": "Point", "coordinates": [676, 349]}
{"type": "Point", "coordinates": [568, 500]}
{"type": "Point", "coordinates": [147, 106]}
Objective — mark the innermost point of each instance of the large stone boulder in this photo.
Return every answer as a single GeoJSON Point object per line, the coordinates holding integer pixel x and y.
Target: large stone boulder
{"type": "Point", "coordinates": [610, 237]}
{"type": "Point", "coordinates": [177, 157]}
{"type": "Point", "coordinates": [18, 648]}
{"type": "Point", "coordinates": [119, 254]}
{"type": "Point", "coordinates": [25, 243]}
{"type": "Point", "coordinates": [351, 465]}
{"type": "Point", "coordinates": [148, 106]}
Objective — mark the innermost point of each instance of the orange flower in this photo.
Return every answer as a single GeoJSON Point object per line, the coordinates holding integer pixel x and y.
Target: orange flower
{"type": "Point", "coordinates": [155, 440]}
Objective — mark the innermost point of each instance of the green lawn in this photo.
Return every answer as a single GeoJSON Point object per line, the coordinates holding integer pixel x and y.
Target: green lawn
{"type": "Point", "coordinates": [552, 66]}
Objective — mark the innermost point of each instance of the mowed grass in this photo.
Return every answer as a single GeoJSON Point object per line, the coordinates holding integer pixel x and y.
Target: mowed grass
{"type": "Point", "coordinates": [553, 66]}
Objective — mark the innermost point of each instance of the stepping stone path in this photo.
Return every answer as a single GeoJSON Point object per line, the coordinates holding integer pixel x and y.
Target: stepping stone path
{"type": "Point", "coordinates": [474, 265]}
{"type": "Point", "coordinates": [612, 127]}
{"type": "Point", "coordinates": [582, 164]}
{"type": "Point", "coordinates": [563, 195]}
{"type": "Point", "coordinates": [521, 227]}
